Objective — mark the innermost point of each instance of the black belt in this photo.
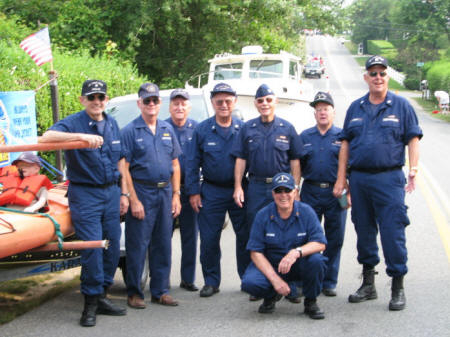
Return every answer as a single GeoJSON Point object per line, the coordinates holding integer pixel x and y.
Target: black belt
{"type": "Point", "coordinates": [319, 183]}
{"type": "Point", "coordinates": [375, 170]}
{"type": "Point", "coordinates": [160, 184]}
{"type": "Point", "coordinates": [220, 184]}
{"type": "Point", "coordinates": [267, 180]}
{"type": "Point", "coordinates": [95, 185]}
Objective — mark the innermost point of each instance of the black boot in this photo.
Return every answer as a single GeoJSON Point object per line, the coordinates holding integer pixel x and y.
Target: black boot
{"type": "Point", "coordinates": [312, 309]}
{"type": "Point", "coordinates": [88, 317]}
{"type": "Point", "coordinates": [367, 290]}
{"type": "Point", "coordinates": [106, 307]}
{"type": "Point", "coordinates": [398, 299]}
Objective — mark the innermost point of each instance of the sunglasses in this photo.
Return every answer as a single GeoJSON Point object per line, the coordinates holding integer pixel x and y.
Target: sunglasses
{"type": "Point", "coordinates": [279, 190]}
{"type": "Point", "coordinates": [265, 99]}
{"type": "Point", "coordinates": [147, 100]}
{"type": "Point", "coordinates": [220, 102]}
{"type": "Point", "coordinates": [100, 97]}
{"type": "Point", "coordinates": [374, 73]}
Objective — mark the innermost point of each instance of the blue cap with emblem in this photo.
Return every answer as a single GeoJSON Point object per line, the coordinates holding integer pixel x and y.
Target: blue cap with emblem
{"type": "Point", "coordinates": [91, 87]}
{"type": "Point", "coordinates": [148, 90]}
{"type": "Point", "coordinates": [222, 88]}
{"type": "Point", "coordinates": [376, 60]}
{"type": "Point", "coordinates": [283, 179]}
{"type": "Point", "coordinates": [324, 97]}
{"type": "Point", "coordinates": [263, 90]}
{"type": "Point", "coordinates": [179, 93]}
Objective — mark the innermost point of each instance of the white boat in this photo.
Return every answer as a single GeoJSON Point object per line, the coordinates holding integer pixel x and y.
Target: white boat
{"type": "Point", "coordinates": [281, 72]}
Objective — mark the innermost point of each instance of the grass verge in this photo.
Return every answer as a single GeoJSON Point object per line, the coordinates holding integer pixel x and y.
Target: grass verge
{"type": "Point", "coordinates": [20, 296]}
{"type": "Point", "coordinates": [429, 107]}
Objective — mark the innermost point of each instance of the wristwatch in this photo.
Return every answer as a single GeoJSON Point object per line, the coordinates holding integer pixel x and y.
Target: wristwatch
{"type": "Point", "coordinates": [125, 195]}
{"type": "Point", "coordinates": [177, 192]}
{"type": "Point", "coordinates": [299, 249]}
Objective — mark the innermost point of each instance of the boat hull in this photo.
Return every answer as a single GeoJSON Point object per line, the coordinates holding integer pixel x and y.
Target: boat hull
{"type": "Point", "coordinates": [22, 232]}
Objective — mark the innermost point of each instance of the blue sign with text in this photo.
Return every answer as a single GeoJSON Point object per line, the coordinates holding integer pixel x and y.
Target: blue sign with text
{"type": "Point", "coordinates": [17, 121]}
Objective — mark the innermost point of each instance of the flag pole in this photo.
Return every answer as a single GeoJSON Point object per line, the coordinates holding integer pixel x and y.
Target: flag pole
{"type": "Point", "coordinates": [55, 110]}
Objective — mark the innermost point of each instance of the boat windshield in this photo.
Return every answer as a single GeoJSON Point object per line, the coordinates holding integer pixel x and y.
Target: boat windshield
{"type": "Point", "coordinates": [266, 69]}
{"type": "Point", "coordinates": [228, 71]}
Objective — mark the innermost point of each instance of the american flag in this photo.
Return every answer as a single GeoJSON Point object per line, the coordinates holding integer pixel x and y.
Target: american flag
{"type": "Point", "coordinates": [37, 45]}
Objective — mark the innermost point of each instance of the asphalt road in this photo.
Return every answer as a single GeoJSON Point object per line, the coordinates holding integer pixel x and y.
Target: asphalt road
{"type": "Point", "coordinates": [229, 313]}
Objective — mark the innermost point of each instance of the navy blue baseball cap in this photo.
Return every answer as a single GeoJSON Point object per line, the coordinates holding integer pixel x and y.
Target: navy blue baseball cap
{"type": "Point", "coordinates": [91, 87]}
{"type": "Point", "coordinates": [324, 97]}
{"type": "Point", "coordinates": [283, 179]}
{"type": "Point", "coordinates": [222, 88]}
{"type": "Point", "coordinates": [376, 60]}
{"type": "Point", "coordinates": [179, 93]}
{"type": "Point", "coordinates": [148, 90]}
{"type": "Point", "coordinates": [28, 157]}
{"type": "Point", "coordinates": [263, 90]}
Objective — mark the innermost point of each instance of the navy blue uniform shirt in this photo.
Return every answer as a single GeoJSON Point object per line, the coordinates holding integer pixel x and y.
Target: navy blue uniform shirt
{"type": "Point", "coordinates": [379, 142]}
{"type": "Point", "coordinates": [320, 154]}
{"type": "Point", "coordinates": [210, 150]}
{"type": "Point", "coordinates": [267, 150]}
{"type": "Point", "coordinates": [150, 155]}
{"type": "Point", "coordinates": [92, 166]}
{"type": "Point", "coordinates": [184, 136]}
{"type": "Point", "coordinates": [275, 237]}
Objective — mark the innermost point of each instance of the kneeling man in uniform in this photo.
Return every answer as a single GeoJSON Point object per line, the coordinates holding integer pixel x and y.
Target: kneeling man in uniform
{"type": "Point", "coordinates": [285, 244]}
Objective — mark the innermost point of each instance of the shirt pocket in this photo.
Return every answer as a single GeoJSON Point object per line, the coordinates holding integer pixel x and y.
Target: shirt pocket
{"type": "Point", "coordinates": [167, 144]}
{"type": "Point", "coordinates": [355, 127]}
{"type": "Point", "coordinates": [282, 145]}
{"type": "Point", "coordinates": [213, 151]}
{"type": "Point", "coordinates": [115, 151]}
{"type": "Point", "coordinates": [390, 130]}
{"type": "Point", "coordinates": [272, 241]}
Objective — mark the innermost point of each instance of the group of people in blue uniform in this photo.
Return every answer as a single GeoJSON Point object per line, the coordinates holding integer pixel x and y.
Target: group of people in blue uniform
{"type": "Point", "coordinates": [178, 172]}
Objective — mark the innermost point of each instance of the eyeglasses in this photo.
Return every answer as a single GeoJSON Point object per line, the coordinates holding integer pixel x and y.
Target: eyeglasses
{"type": "Point", "coordinates": [281, 189]}
{"type": "Point", "coordinates": [374, 73]}
{"type": "Point", "coordinates": [147, 100]}
{"type": "Point", "coordinates": [267, 99]}
{"type": "Point", "coordinates": [220, 102]}
{"type": "Point", "coordinates": [92, 98]}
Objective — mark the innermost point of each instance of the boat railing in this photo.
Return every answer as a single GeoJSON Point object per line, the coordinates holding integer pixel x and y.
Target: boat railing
{"type": "Point", "coordinates": [201, 79]}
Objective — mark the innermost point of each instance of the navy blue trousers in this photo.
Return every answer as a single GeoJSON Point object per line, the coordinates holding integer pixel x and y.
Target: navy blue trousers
{"type": "Point", "coordinates": [378, 203]}
{"type": "Point", "coordinates": [152, 236]}
{"type": "Point", "coordinates": [216, 202]}
{"type": "Point", "coordinates": [327, 206]}
{"type": "Point", "coordinates": [95, 215]}
{"type": "Point", "coordinates": [310, 270]}
{"type": "Point", "coordinates": [187, 222]}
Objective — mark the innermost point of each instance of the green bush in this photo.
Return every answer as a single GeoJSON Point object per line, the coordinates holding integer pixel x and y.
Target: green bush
{"type": "Point", "coordinates": [412, 82]}
{"type": "Point", "coordinates": [383, 48]}
{"type": "Point", "coordinates": [438, 75]}
{"type": "Point", "coordinates": [19, 72]}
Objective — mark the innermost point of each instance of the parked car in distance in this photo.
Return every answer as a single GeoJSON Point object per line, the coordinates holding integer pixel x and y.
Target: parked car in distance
{"type": "Point", "coordinates": [313, 69]}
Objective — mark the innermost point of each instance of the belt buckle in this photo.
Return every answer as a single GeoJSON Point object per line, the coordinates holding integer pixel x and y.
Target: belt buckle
{"type": "Point", "coordinates": [268, 180]}
{"type": "Point", "coordinates": [161, 184]}
{"type": "Point", "coordinates": [324, 185]}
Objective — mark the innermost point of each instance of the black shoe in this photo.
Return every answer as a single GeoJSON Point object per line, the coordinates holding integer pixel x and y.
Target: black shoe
{"type": "Point", "coordinates": [106, 307]}
{"type": "Point", "coordinates": [208, 291]}
{"type": "Point", "coordinates": [268, 306]}
{"type": "Point", "coordinates": [294, 299]}
{"type": "Point", "coordinates": [313, 310]}
{"type": "Point", "coordinates": [88, 317]}
{"type": "Point", "coordinates": [188, 286]}
{"type": "Point", "coordinates": [330, 292]}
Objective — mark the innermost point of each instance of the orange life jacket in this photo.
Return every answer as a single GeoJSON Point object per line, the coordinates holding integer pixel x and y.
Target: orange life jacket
{"type": "Point", "coordinates": [17, 191]}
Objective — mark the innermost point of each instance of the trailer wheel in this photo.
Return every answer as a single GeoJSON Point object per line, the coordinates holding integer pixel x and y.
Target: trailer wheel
{"type": "Point", "coordinates": [145, 272]}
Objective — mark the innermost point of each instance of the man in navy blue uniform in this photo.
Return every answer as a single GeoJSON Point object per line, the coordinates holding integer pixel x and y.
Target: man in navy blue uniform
{"type": "Point", "coordinates": [152, 172]}
{"type": "Point", "coordinates": [95, 199]}
{"type": "Point", "coordinates": [376, 130]}
{"type": "Point", "coordinates": [319, 162]}
{"type": "Point", "coordinates": [210, 151]}
{"type": "Point", "coordinates": [179, 108]}
{"type": "Point", "coordinates": [285, 244]}
{"type": "Point", "coordinates": [266, 145]}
